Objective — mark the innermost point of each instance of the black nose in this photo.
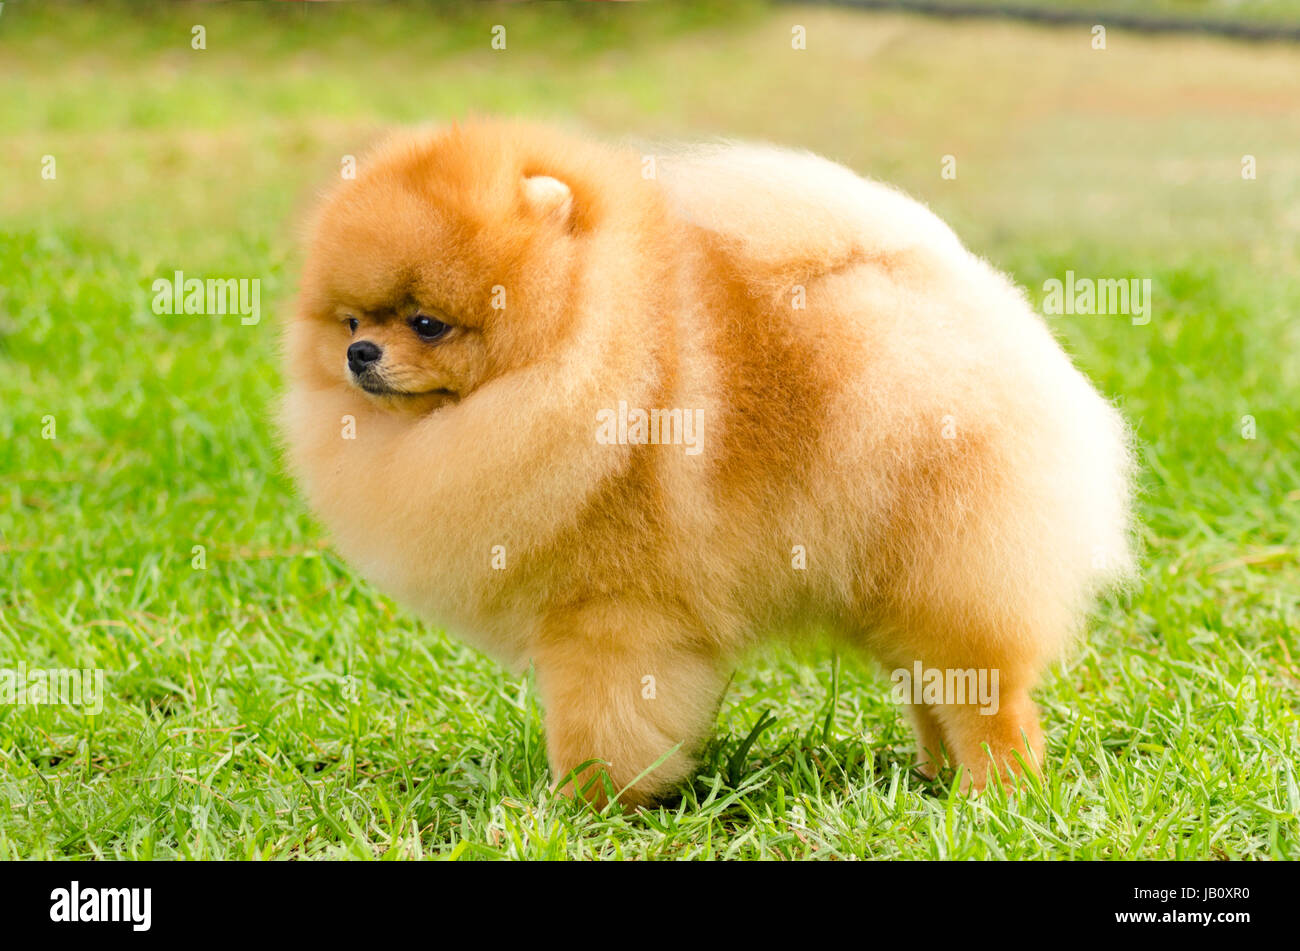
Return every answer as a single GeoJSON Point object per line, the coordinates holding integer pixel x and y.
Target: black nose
{"type": "Point", "coordinates": [361, 354]}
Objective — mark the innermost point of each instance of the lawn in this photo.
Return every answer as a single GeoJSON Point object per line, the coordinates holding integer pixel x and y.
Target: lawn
{"type": "Point", "coordinates": [262, 701]}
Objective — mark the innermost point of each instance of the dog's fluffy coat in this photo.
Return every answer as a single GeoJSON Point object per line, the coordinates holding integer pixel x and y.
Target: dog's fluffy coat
{"type": "Point", "coordinates": [894, 448]}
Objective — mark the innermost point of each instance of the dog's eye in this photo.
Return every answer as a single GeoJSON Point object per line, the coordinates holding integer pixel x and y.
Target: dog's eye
{"type": "Point", "coordinates": [428, 328]}
{"type": "Point", "coordinates": [353, 324]}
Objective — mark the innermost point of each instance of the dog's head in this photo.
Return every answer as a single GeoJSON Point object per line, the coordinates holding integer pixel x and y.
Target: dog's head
{"type": "Point", "coordinates": [448, 261]}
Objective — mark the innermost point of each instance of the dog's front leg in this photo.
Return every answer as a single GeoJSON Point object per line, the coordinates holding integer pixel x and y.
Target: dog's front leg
{"type": "Point", "coordinates": [628, 687]}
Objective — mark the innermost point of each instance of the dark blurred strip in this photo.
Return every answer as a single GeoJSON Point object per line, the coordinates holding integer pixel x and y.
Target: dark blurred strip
{"type": "Point", "coordinates": [1109, 18]}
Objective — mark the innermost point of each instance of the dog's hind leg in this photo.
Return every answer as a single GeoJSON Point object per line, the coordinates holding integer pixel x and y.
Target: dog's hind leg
{"type": "Point", "coordinates": [985, 744]}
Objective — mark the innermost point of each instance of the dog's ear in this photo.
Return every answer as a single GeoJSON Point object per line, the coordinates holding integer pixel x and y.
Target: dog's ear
{"type": "Point", "coordinates": [549, 199]}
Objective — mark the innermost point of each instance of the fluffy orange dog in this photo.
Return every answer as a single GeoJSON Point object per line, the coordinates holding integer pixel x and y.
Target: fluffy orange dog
{"type": "Point", "coordinates": [624, 417]}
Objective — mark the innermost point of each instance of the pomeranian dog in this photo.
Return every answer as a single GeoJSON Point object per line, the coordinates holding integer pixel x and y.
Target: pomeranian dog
{"type": "Point", "coordinates": [623, 416]}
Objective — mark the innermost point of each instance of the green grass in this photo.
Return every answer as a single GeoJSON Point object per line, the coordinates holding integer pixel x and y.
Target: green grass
{"type": "Point", "coordinates": [273, 705]}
